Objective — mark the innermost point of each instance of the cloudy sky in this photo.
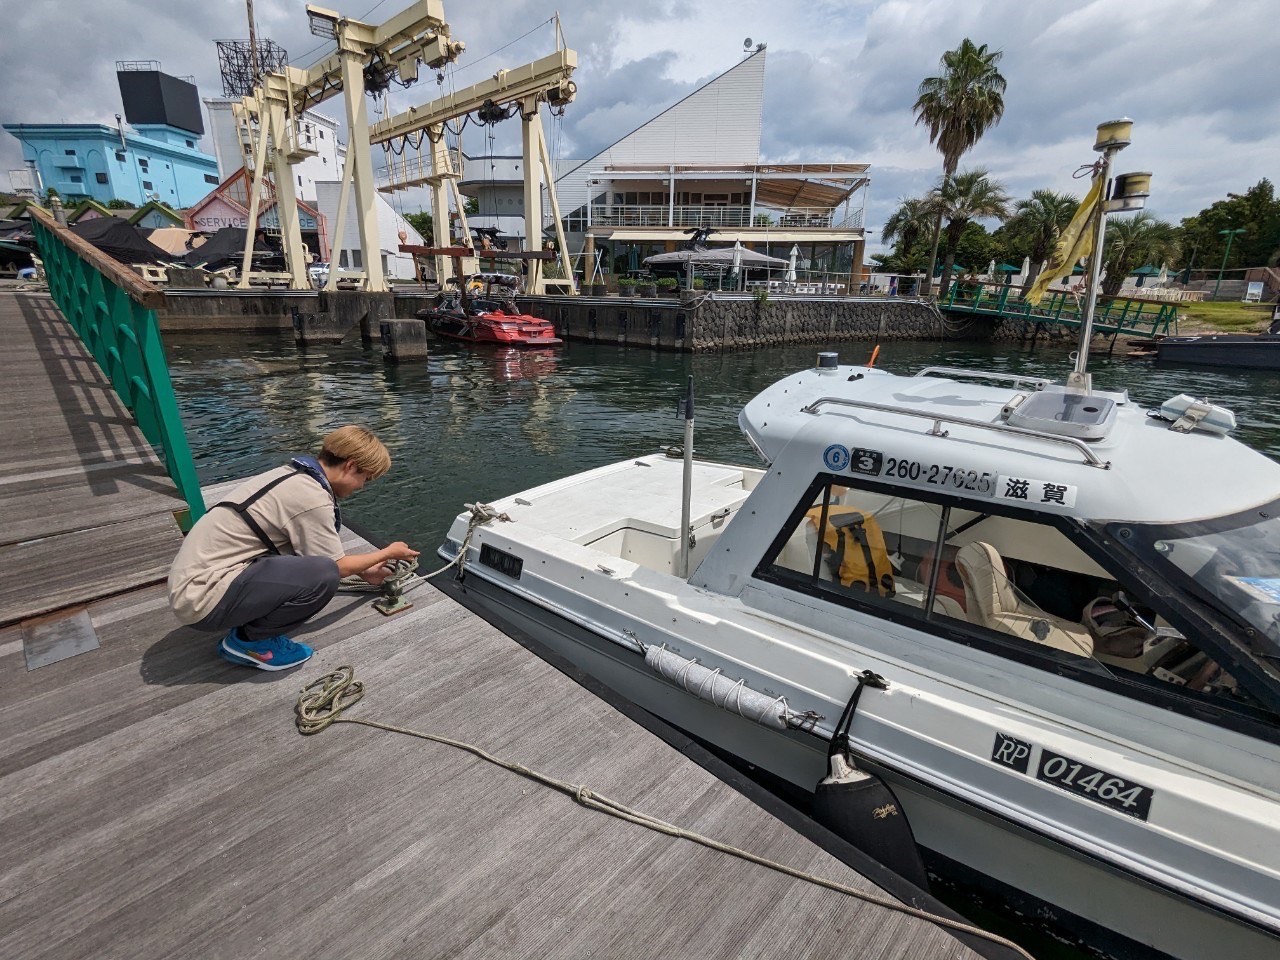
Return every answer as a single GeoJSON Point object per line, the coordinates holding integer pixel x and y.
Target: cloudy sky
{"type": "Point", "coordinates": [1201, 79]}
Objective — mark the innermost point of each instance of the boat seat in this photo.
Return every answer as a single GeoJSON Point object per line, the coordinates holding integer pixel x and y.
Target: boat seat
{"type": "Point", "coordinates": [992, 601]}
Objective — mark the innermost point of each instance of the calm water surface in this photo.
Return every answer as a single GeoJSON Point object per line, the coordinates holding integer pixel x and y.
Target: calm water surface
{"type": "Point", "coordinates": [480, 423]}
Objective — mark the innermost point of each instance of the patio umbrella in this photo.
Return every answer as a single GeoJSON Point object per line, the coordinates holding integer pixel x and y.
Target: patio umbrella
{"type": "Point", "coordinates": [735, 266]}
{"type": "Point", "coordinates": [1164, 274]}
{"type": "Point", "coordinates": [1026, 266]}
{"type": "Point", "coordinates": [991, 269]}
{"type": "Point", "coordinates": [1006, 268]}
{"type": "Point", "coordinates": [791, 264]}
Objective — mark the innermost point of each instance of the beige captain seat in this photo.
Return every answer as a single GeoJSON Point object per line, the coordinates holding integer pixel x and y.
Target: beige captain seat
{"type": "Point", "coordinates": [992, 601]}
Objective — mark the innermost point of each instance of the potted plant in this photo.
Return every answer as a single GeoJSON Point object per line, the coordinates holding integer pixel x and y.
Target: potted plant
{"type": "Point", "coordinates": [626, 286]}
{"type": "Point", "coordinates": [667, 286]}
{"type": "Point", "coordinates": [599, 288]}
{"type": "Point", "coordinates": [647, 288]}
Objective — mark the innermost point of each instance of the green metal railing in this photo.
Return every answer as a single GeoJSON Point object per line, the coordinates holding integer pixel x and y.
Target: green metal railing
{"type": "Point", "coordinates": [1112, 315]}
{"type": "Point", "coordinates": [112, 310]}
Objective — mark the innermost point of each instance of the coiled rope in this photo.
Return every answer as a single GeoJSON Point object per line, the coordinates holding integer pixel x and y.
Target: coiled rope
{"type": "Point", "coordinates": [406, 570]}
{"type": "Point", "coordinates": [323, 702]}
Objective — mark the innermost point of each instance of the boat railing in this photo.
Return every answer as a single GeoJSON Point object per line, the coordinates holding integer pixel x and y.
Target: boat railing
{"type": "Point", "coordinates": [1090, 458]}
{"type": "Point", "coordinates": [955, 373]}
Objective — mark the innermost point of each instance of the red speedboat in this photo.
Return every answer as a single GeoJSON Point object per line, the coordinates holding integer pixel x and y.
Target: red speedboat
{"type": "Point", "coordinates": [482, 320]}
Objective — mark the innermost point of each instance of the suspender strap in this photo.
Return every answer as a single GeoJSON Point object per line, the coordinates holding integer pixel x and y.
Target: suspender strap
{"type": "Point", "coordinates": [243, 510]}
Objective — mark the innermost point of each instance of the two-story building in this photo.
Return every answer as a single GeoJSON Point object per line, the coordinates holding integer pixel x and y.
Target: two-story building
{"type": "Point", "coordinates": [694, 165]}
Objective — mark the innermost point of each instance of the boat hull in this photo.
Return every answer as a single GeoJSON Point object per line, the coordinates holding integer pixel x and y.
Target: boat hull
{"type": "Point", "coordinates": [1075, 895]}
{"type": "Point", "coordinates": [1260, 352]}
{"type": "Point", "coordinates": [507, 331]}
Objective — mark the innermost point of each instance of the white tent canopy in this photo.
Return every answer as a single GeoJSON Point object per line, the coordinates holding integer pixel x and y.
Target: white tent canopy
{"type": "Point", "coordinates": [720, 257]}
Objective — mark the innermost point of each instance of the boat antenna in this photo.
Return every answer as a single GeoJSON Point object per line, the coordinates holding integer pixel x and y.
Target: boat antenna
{"type": "Point", "coordinates": [686, 495]}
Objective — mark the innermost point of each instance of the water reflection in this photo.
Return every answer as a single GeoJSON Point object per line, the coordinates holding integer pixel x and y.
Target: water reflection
{"type": "Point", "coordinates": [478, 423]}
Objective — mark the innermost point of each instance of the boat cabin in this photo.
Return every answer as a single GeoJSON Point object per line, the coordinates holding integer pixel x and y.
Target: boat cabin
{"type": "Point", "coordinates": [1099, 541]}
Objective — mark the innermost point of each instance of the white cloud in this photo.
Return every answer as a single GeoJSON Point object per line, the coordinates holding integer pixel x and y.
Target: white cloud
{"type": "Point", "coordinates": [1200, 79]}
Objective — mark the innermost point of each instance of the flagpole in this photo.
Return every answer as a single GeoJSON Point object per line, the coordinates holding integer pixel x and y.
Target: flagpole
{"type": "Point", "coordinates": [1079, 377]}
{"type": "Point", "coordinates": [1113, 136]}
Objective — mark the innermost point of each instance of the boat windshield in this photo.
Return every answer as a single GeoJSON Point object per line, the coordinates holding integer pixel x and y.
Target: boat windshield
{"type": "Point", "coordinates": [1232, 563]}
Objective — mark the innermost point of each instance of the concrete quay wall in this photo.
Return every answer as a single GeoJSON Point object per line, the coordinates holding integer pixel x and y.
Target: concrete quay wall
{"type": "Point", "coordinates": [707, 323]}
{"type": "Point", "coordinates": [716, 323]}
{"type": "Point", "coordinates": [198, 311]}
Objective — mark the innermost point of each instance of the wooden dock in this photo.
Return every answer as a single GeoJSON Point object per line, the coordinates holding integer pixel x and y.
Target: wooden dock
{"type": "Point", "coordinates": [156, 801]}
{"type": "Point", "coordinates": [86, 508]}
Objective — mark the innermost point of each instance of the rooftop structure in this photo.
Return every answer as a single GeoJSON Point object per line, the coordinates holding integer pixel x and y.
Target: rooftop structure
{"type": "Point", "coordinates": [156, 157]}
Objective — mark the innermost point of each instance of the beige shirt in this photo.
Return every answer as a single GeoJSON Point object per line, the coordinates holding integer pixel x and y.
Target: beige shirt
{"type": "Point", "coordinates": [297, 515]}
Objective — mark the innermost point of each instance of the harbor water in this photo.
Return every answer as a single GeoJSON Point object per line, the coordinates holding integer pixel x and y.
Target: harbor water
{"type": "Point", "coordinates": [481, 423]}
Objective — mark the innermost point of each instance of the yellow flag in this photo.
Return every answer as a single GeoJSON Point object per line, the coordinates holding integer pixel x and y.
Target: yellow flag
{"type": "Point", "coordinates": [1075, 242]}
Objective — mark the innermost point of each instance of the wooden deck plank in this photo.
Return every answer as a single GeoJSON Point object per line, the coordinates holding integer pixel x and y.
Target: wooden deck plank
{"type": "Point", "coordinates": [156, 801]}
{"type": "Point", "coordinates": [86, 486]}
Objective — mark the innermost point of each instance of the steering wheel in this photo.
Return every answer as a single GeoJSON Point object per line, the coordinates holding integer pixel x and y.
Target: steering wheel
{"type": "Point", "coordinates": [1117, 629]}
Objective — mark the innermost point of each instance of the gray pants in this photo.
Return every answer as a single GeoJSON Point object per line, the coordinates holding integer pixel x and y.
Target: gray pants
{"type": "Point", "coordinates": [274, 595]}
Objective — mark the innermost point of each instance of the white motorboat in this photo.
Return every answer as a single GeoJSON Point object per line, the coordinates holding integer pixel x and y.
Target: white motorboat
{"type": "Point", "coordinates": [1069, 606]}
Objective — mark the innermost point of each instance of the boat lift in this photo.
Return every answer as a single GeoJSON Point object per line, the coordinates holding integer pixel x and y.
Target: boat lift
{"type": "Point", "coordinates": [269, 120]}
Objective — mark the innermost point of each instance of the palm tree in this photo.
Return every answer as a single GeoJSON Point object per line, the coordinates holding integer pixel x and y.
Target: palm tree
{"type": "Point", "coordinates": [1133, 241]}
{"type": "Point", "coordinates": [1038, 221]}
{"type": "Point", "coordinates": [907, 224]}
{"type": "Point", "coordinates": [959, 106]}
{"type": "Point", "coordinates": [960, 198]}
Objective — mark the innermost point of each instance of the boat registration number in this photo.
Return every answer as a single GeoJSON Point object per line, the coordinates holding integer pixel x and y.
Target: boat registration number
{"type": "Point", "coordinates": [1094, 784]}
{"type": "Point", "coordinates": [943, 476]}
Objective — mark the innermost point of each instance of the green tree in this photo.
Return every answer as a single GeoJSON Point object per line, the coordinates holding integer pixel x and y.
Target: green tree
{"type": "Point", "coordinates": [1132, 242]}
{"type": "Point", "coordinates": [906, 225]}
{"type": "Point", "coordinates": [959, 199]}
{"type": "Point", "coordinates": [1257, 212]}
{"type": "Point", "coordinates": [976, 248]}
{"type": "Point", "coordinates": [1036, 224]}
{"type": "Point", "coordinates": [472, 207]}
{"type": "Point", "coordinates": [421, 221]}
{"type": "Point", "coordinates": [959, 106]}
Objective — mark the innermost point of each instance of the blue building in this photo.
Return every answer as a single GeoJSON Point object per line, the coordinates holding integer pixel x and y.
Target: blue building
{"type": "Point", "coordinates": [156, 158]}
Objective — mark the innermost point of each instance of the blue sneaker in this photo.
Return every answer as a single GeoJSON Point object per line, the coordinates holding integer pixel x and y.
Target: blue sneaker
{"type": "Point", "coordinates": [274, 653]}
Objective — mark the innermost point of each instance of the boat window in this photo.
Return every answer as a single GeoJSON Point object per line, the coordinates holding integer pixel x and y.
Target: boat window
{"type": "Point", "coordinates": [1014, 586]}
{"type": "Point", "coordinates": [872, 546]}
{"type": "Point", "coordinates": [1231, 563]}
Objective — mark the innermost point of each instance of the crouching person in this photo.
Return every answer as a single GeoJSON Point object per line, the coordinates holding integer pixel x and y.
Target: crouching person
{"type": "Point", "coordinates": [265, 560]}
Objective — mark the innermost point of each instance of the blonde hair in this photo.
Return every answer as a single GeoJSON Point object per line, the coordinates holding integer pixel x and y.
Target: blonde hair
{"type": "Point", "coordinates": [358, 445]}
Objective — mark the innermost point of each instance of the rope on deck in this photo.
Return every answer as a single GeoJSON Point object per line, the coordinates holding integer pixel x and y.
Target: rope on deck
{"type": "Point", "coordinates": [404, 576]}
{"type": "Point", "coordinates": [323, 702]}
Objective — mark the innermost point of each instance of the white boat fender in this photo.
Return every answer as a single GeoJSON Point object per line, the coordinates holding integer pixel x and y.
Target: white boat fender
{"type": "Point", "coordinates": [1186, 413]}
{"type": "Point", "coordinates": [714, 687]}
{"type": "Point", "coordinates": [860, 808]}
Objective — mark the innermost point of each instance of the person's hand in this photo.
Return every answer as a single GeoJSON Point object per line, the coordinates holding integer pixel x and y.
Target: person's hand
{"type": "Point", "coordinates": [375, 576]}
{"type": "Point", "coordinates": [400, 551]}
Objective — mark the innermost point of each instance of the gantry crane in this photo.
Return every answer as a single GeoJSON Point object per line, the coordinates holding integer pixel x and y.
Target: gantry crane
{"type": "Point", "coordinates": [269, 121]}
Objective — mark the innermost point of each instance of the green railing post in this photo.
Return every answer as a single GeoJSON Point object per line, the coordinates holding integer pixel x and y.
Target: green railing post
{"type": "Point", "coordinates": [123, 336]}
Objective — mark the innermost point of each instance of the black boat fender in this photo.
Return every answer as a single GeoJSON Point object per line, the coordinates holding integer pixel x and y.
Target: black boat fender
{"type": "Point", "coordinates": [860, 807]}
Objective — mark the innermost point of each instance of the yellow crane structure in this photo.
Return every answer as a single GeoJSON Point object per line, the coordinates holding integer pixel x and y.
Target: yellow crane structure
{"type": "Point", "coordinates": [269, 121]}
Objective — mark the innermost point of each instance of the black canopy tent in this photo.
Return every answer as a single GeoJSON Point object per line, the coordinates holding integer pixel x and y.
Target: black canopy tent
{"type": "Point", "coordinates": [226, 248]}
{"type": "Point", "coordinates": [120, 240]}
